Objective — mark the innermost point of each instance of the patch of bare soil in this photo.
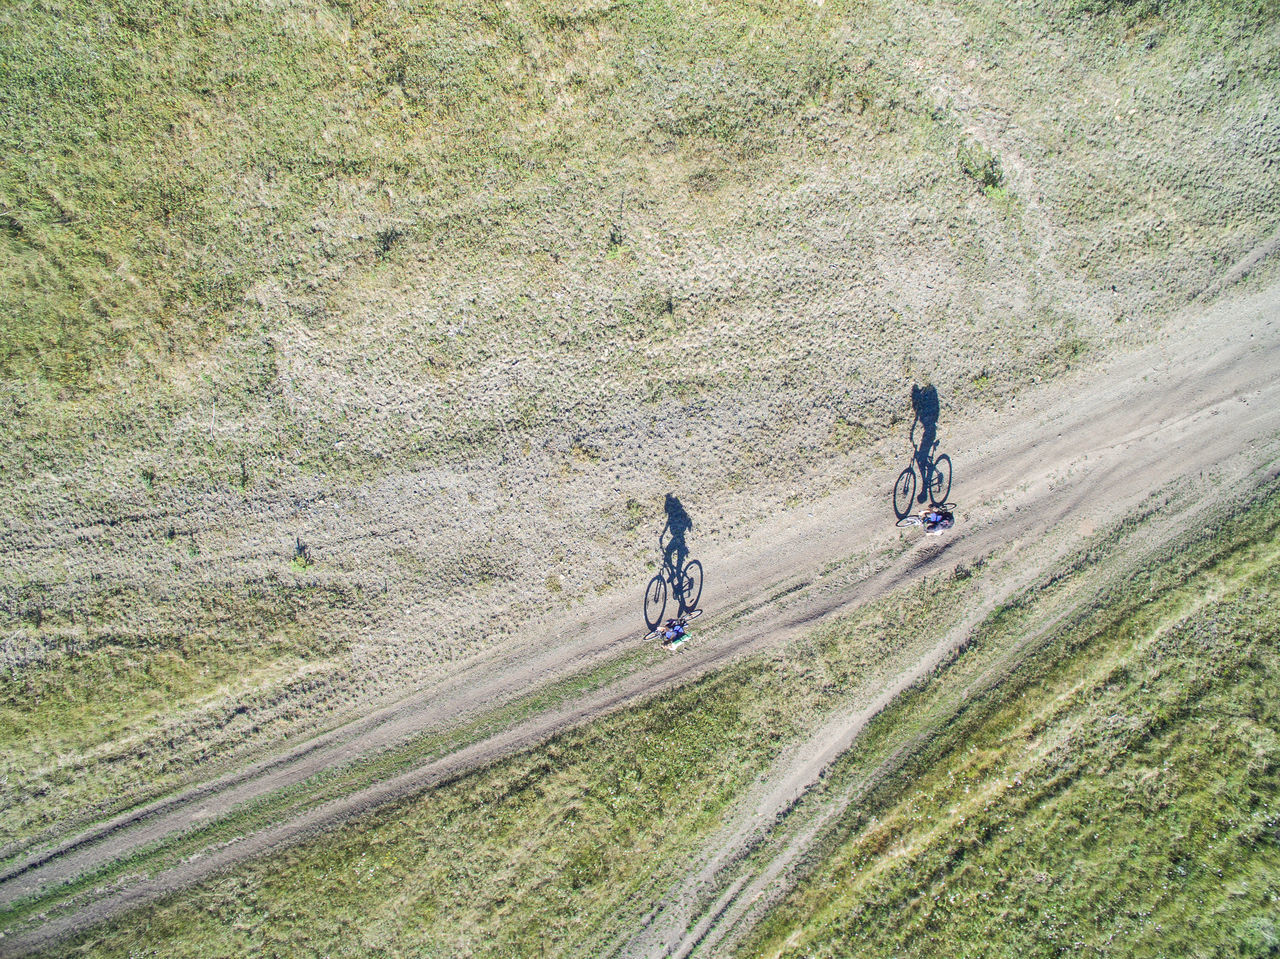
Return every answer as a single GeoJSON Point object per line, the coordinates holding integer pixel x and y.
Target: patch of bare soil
{"type": "Point", "coordinates": [1033, 481]}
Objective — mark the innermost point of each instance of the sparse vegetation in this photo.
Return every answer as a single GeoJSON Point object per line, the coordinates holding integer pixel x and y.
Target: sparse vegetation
{"type": "Point", "coordinates": [340, 341]}
{"type": "Point", "coordinates": [1113, 792]}
{"type": "Point", "coordinates": [563, 847]}
{"type": "Point", "coordinates": [981, 166]}
{"type": "Point", "coordinates": [846, 436]}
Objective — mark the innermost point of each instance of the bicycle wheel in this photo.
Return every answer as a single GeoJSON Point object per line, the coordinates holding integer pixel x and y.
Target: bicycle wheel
{"type": "Point", "coordinates": [692, 614]}
{"type": "Point", "coordinates": [910, 521]}
{"type": "Point", "coordinates": [690, 589]}
{"type": "Point", "coordinates": [904, 491]}
{"type": "Point", "coordinates": [655, 601]}
{"type": "Point", "coordinates": [940, 480]}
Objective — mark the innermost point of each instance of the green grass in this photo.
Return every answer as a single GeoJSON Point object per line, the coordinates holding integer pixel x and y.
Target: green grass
{"type": "Point", "coordinates": [1116, 793]}
{"type": "Point", "coordinates": [562, 847]}
{"type": "Point", "coordinates": [550, 847]}
{"type": "Point", "coordinates": [428, 192]}
{"type": "Point", "coordinates": [117, 672]}
{"type": "Point", "coordinates": [213, 174]}
{"type": "Point", "coordinates": [510, 858]}
{"type": "Point", "coordinates": [136, 224]}
{"type": "Point", "coordinates": [344, 778]}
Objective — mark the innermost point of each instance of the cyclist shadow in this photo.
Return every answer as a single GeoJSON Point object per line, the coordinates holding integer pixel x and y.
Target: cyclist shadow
{"type": "Point", "coordinates": [934, 481]}
{"type": "Point", "coordinates": [680, 579]}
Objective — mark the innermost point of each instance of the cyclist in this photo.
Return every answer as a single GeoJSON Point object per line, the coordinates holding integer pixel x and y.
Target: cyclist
{"type": "Point", "coordinates": [673, 631]}
{"type": "Point", "coordinates": [937, 520]}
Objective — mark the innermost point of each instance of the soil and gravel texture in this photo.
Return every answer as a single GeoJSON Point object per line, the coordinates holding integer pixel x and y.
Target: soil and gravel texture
{"type": "Point", "coordinates": [362, 363]}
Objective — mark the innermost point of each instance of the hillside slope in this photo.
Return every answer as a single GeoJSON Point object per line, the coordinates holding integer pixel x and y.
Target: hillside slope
{"type": "Point", "coordinates": [352, 352]}
{"type": "Point", "coordinates": [1092, 478]}
{"type": "Point", "coordinates": [341, 343]}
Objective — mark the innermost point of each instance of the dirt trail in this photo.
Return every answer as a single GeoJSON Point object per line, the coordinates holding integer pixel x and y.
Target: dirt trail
{"type": "Point", "coordinates": [1081, 450]}
{"type": "Point", "coordinates": [720, 894]}
{"type": "Point", "coordinates": [1206, 403]}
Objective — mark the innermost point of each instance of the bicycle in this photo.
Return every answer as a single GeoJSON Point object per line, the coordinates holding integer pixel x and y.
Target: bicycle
{"type": "Point", "coordinates": [685, 586]}
{"type": "Point", "coordinates": [936, 474]}
{"type": "Point", "coordinates": [682, 620]}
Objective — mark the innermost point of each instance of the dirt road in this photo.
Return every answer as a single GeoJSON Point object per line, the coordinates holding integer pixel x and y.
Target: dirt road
{"type": "Point", "coordinates": [1070, 456]}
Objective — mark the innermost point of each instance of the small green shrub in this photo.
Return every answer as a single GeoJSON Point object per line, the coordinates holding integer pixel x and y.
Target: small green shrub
{"type": "Point", "coordinates": [635, 513]}
{"type": "Point", "coordinates": [980, 165]}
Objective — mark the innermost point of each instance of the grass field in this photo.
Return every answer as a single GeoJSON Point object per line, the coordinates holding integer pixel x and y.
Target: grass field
{"type": "Point", "coordinates": [341, 342]}
{"type": "Point", "coordinates": [426, 289]}
{"type": "Point", "coordinates": [1110, 788]}
{"type": "Point", "coordinates": [1114, 794]}
{"type": "Point", "coordinates": [554, 847]}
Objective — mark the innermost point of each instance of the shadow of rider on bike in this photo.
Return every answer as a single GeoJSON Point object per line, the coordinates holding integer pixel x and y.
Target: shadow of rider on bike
{"type": "Point", "coordinates": [675, 552]}
{"type": "Point", "coordinates": [924, 400]}
{"type": "Point", "coordinates": [684, 574]}
{"type": "Point", "coordinates": [680, 577]}
{"type": "Point", "coordinates": [929, 473]}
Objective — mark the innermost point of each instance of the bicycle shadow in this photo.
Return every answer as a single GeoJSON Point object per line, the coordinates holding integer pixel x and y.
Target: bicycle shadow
{"type": "Point", "coordinates": [680, 577]}
{"type": "Point", "coordinates": [934, 482]}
